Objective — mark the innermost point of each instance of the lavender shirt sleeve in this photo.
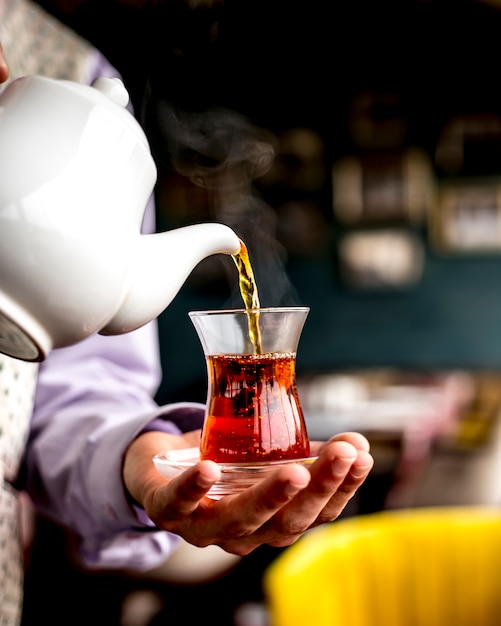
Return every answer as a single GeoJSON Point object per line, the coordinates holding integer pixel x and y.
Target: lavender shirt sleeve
{"type": "Point", "coordinates": [92, 400]}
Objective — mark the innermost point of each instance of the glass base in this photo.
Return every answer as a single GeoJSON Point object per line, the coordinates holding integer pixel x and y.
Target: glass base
{"type": "Point", "coordinates": [234, 477]}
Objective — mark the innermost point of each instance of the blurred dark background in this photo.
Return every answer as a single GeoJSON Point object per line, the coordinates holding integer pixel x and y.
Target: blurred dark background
{"type": "Point", "coordinates": [379, 82]}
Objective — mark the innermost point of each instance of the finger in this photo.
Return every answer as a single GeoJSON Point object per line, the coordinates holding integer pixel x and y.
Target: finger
{"type": "Point", "coordinates": [247, 512]}
{"type": "Point", "coordinates": [327, 475]}
{"type": "Point", "coordinates": [176, 499]}
{"type": "Point", "coordinates": [354, 479]}
{"type": "Point", "coordinates": [4, 68]}
{"type": "Point", "coordinates": [357, 440]}
{"type": "Point", "coordinates": [269, 495]}
{"type": "Point", "coordinates": [235, 521]}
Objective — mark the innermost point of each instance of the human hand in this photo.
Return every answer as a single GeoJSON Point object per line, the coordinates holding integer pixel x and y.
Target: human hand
{"type": "Point", "coordinates": [276, 511]}
{"type": "Point", "coordinates": [4, 68]}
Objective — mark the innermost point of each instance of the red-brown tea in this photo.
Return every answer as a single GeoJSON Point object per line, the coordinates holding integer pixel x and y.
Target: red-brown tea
{"type": "Point", "coordinates": [253, 411]}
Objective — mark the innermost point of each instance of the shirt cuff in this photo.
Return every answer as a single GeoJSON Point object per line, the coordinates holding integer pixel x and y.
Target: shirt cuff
{"type": "Point", "coordinates": [186, 419]}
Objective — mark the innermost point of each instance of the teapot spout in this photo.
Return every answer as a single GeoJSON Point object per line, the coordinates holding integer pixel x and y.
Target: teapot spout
{"type": "Point", "coordinates": [160, 264]}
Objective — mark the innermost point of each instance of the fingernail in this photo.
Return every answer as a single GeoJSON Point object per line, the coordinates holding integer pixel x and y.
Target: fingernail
{"type": "Point", "coordinates": [340, 464]}
{"type": "Point", "coordinates": [208, 476]}
{"type": "Point", "coordinates": [203, 482]}
{"type": "Point", "coordinates": [358, 474]}
{"type": "Point", "coordinates": [291, 489]}
{"type": "Point", "coordinates": [4, 67]}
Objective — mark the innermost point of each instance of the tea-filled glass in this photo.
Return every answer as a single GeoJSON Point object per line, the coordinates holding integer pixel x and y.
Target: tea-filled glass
{"type": "Point", "coordinates": [253, 413]}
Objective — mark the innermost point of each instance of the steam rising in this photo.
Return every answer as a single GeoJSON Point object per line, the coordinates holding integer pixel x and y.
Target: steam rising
{"type": "Point", "coordinates": [224, 152]}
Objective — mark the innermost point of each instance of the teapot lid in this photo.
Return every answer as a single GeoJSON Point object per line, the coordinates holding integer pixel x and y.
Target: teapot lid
{"type": "Point", "coordinates": [107, 92]}
{"type": "Point", "coordinates": [46, 122]}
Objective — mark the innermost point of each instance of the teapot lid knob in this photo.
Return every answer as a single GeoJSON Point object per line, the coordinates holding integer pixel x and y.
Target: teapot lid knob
{"type": "Point", "coordinates": [113, 88]}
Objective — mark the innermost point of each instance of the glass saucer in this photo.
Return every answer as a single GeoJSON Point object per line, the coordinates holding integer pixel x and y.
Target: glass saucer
{"type": "Point", "coordinates": [234, 477]}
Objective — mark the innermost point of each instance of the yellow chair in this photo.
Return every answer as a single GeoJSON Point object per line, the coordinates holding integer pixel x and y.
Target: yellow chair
{"type": "Point", "coordinates": [412, 567]}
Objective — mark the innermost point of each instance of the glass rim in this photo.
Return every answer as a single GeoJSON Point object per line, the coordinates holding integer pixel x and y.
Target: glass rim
{"type": "Point", "coordinates": [270, 309]}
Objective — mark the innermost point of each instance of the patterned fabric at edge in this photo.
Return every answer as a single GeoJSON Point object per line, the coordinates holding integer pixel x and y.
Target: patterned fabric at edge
{"type": "Point", "coordinates": [17, 387]}
{"type": "Point", "coordinates": [34, 43]}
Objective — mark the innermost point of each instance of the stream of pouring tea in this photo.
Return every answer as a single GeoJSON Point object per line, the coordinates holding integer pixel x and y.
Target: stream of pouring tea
{"type": "Point", "coordinates": [250, 296]}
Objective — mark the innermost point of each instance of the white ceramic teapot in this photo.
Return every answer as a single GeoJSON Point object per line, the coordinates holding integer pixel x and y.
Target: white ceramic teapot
{"type": "Point", "coordinates": [76, 174]}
